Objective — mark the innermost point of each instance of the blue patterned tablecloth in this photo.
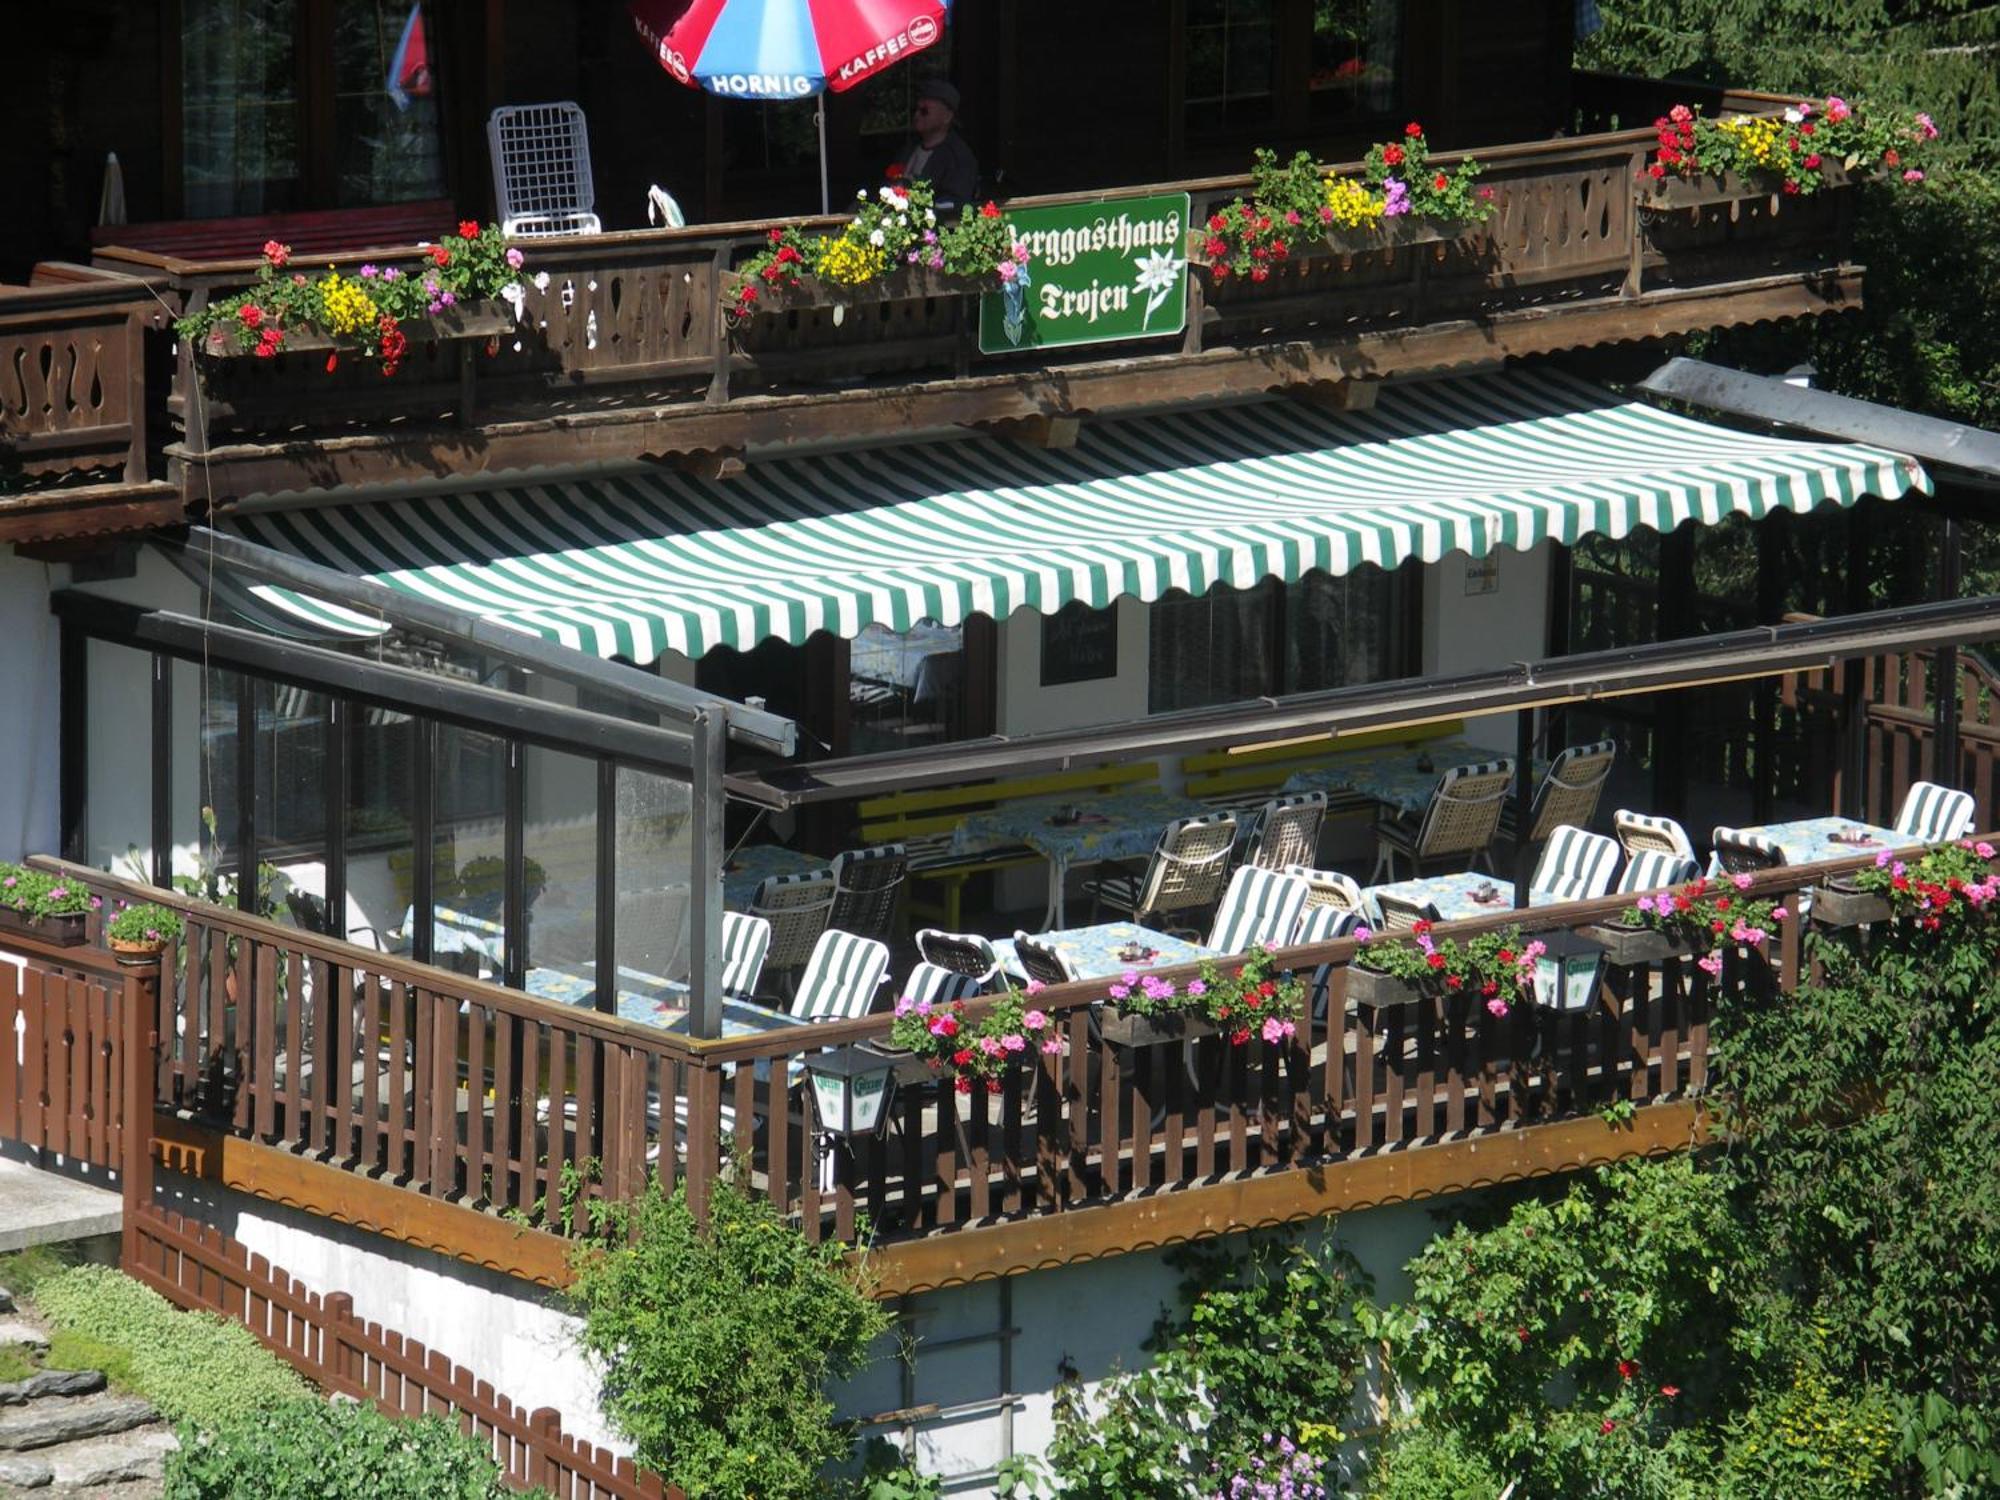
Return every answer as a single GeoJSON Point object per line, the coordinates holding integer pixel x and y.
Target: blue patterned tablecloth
{"type": "Point", "coordinates": [645, 998]}
{"type": "Point", "coordinates": [1457, 897]}
{"type": "Point", "coordinates": [1398, 776]}
{"type": "Point", "coordinates": [1124, 825]}
{"type": "Point", "coordinates": [1092, 952]}
{"type": "Point", "coordinates": [1810, 839]}
{"type": "Point", "coordinates": [744, 1018]}
{"type": "Point", "coordinates": [751, 865]}
{"type": "Point", "coordinates": [463, 932]}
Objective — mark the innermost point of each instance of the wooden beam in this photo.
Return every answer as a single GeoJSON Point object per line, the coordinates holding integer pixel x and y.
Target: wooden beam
{"type": "Point", "coordinates": [1338, 395]}
{"type": "Point", "coordinates": [87, 517]}
{"type": "Point", "coordinates": [709, 463]}
{"type": "Point", "coordinates": [1282, 1197]}
{"type": "Point", "coordinates": [1106, 386]}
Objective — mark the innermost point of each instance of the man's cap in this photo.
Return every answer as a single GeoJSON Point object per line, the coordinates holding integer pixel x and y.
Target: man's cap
{"type": "Point", "coordinates": [941, 90]}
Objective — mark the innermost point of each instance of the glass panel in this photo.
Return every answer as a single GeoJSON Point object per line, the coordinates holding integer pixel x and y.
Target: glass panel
{"type": "Point", "coordinates": [239, 106]}
{"type": "Point", "coordinates": [381, 827]}
{"type": "Point", "coordinates": [1614, 591]}
{"type": "Point", "coordinates": [118, 806]}
{"type": "Point", "coordinates": [1231, 59]}
{"type": "Point", "coordinates": [385, 104]}
{"type": "Point", "coordinates": [209, 870]}
{"type": "Point", "coordinates": [655, 864]}
{"type": "Point", "coordinates": [1354, 53]}
{"type": "Point", "coordinates": [888, 99]}
{"type": "Point", "coordinates": [469, 791]}
{"type": "Point", "coordinates": [560, 840]}
{"type": "Point", "coordinates": [1211, 649]}
{"type": "Point", "coordinates": [291, 805]}
{"type": "Point", "coordinates": [1341, 630]}
{"type": "Point", "coordinates": [906, 688]}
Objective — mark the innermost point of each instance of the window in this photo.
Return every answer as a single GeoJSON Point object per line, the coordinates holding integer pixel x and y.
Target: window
{"type": "Point", "coordinates": [1355, 44]}
{"type": "Point", "coordinates": [906, 689]}
{"type": "Point", "coordinates": [287, 105]}
{"type": "Point", "coordinates": [1231, 62]}
{"type": "Point", "coordinates": [1231, 644]}
{"type": "Point", "coordinates": [1286, 63]}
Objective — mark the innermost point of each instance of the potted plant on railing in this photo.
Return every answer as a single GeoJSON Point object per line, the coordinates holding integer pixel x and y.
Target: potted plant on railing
{"type": "Point", "coordinates": [469, 283]}
{"type": "Point", "coordinates": [1252, 999]}
{"type": "Point", "coordinates": [977, 1054]}
{"type": "Point", "coordinates": [1297, 210]}
{"type": "Point", "coordinates": [1946, 885]}
{"type": "Point", "coordinates": [139, 934]}
{"type": "Point", "coordinates": [1702, 160]}
{"type": "Point", "coordinates": [50, 908]}
{"type": "Point", "coordinates": [896, 246]}
{"type": "Point", "coordinates": [1706, 918]}
{"type": "Point", "coordinates": [1495, 968]}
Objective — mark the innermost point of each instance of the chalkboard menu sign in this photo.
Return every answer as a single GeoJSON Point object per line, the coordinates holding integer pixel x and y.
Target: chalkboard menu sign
{"type": "Point", "coordinates": [1079, 644]}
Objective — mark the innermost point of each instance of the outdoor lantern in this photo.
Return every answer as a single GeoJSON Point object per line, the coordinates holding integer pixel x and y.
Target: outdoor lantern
{"type": "Point", "coordinates": [850, 1089]}
{"type": "Point", "coordinates": [1566, 975]}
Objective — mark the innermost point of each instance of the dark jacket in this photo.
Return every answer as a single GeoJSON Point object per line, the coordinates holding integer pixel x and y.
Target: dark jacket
{"type": "Point", "coordinates": [952, 171]}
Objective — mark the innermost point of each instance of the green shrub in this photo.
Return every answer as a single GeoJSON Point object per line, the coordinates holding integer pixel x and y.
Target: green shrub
{"type": "Point", "coordinates": [26, 1269]}
{"type": "Point", "coordinates": [315, 1450]}
{"type": "Point", "coordinates": [193, 1366]}
{"type": "Point", "coordinates": [1433, 1464]}
{"type": "Point", "coordinates": [716, 1342]}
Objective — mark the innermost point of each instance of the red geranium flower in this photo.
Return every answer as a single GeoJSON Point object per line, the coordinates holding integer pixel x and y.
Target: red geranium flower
{"type": "Point", "coordinates": [992, 1085]}
{"type": "Point", "coordinates": [1891, 157]}
{"type": "Point", "coordinates": [331, 361]}
{"type": "Point", "coordinates": [775, 235]}
{"type": "Point", "coordinates": [251, 314]}
{"type": "Point", "coordinates": [1440, 182]}
{"type": "Point", "coordinates": [1627, 1369]}
{"type": "Point", "coordinates": [892, 172]}
{"type": "Point", "coordinates": [1413, 130]}
{"type": "Point", "coordinates": [1670, 1391]}
{"type": "Point", "coordinates": [1393, 155]}
{"type": "Point", "coordinates": [1435, 960]}
{"type": "Point", "coordinates": [1420, 926]}
{"type": "Point", "coordinates": [276, 253]}
{"type": "Point", "coordinates": [441, 255]}
{"type": "Point", "coordinates": [1606, 1425]}
{"type": "Point", "coordinates": [467, 230]}
{"type": "Point", "coordinates": [991, 210]}
{"type": "Point", "coordinates": [961, 1057]}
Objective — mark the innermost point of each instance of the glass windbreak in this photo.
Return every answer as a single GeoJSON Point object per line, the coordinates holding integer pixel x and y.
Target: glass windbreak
{"type": "Point", "coordinates": [290, 791]}
{"type": "Point", "coordinates": [655, 856]}
{"type": "Point", "coordinates": [469, 853]}
{"type": "Point", "coordinates": [380, 809]}
{"type": "Point", "coordinates": [239, 106]}
{"type": "Point", "coordinates": [906, 688]}
{"type": "Point", "coordinates": [1231, 644]}
{"type": "Point", "coordinates": [118, 809]}
{"type": "Point", "coordinates": [559, 873]}
{"type": "Point", "coordinates": [385, 103]}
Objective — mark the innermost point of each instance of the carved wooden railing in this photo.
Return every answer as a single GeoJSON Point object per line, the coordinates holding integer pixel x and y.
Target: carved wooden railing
{"type": "Point", "coordinates": [463, 1091]}
{"type": "Point", "coordinates": [634, 323]}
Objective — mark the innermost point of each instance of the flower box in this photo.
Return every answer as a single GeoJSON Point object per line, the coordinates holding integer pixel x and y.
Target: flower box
{"type": "Point", "coordinates": [1379, 991]}
{"type": "Point", "coordinates": [1386, 234]}
{"type": "Point", "coordinates": [910, 284]}
{"type": "Point", "coordinates": [1842, 904]}
{"type": "Point", "coordinates": [1708, 189]}
{"type": "Point", "coordinates": [63, 931]}
{"type": "Point", "coordinates": [465, 321]}
{"type": "Point", "coordinates": [1122, 1028]}
{"type": "Point", "coordinates": [1630, 946]}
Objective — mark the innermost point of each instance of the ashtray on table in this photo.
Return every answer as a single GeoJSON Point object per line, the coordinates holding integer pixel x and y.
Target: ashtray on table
{"type": "Point", "coordinates": [1852, 836]}
{"type": "Point", "coordinates": [1489, 894]}
{"type": "Point", "coordinates": [1136, 953]}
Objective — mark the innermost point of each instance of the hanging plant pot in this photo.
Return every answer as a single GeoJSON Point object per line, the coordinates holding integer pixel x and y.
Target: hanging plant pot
{"type": "Point", "coordinates": [63, 931]}
{"type": "Point", "coordinates": [910, 284]}
{"type": "Point", "coordinates": [136, 955]}
{"type": "Point", "coordinates": [466, 320]}
{"type": "Point", "coordinates": [1126, 1029]}
{"type": "Point", "coordinates": [1839, 903]}
{"type": "Point", "coordinates": [1630, 946]}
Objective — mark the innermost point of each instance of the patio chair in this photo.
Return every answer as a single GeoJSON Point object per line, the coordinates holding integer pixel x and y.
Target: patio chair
{"type": "Point", "coordinates": [1567, 793]}
{"type": "Point", "coordinates": [1933, 814]}
{"type": "Point", "coordinates": [1186, 873]}
{"type": "Point", "coordinates": [1286, 831]}
{"type": "Point", "coordinates": [1575, 866]}
{"type": "Point", "coordinates": [796, 907]}
{"type": "Point", "coordinates": [1040, 961]}
{"type": "Point", "coordinates": [1641, 834]}
{"type": "Point", "coordinates": [1737, 852]}
{"type": "Point", "coordinates": [1329, 888]}
{"type": "Point", "coordinates": [1260, 908]}
{"type": "Point", "coordinates": [745, 941]}
{"type": "Point", "coordinates": [964, 953]}
{"type": "Point", "coordinates": [541, 170]}
{"type": "Point", "coordinates": [1459, 823]}
{"type": "Point", "coordinates": [939, 986]}
{"type": "Point", "coordinates": [1655, 870]}
{"type": "Point", "coordinates": [841, 977]}
{"type": "Point", "coordinates": [1400, 914]}
{"type": "Point", "coordinates": [866, 883]}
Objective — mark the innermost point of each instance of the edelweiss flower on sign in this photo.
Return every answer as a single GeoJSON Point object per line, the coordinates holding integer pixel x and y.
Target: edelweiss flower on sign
{"type": "Point", "coordinates": [1159, 273]}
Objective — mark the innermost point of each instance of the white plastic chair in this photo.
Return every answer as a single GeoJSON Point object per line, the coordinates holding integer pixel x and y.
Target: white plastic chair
{"type": "Point", "coordinates": [1933, 814]}
{"type": "Point", "coordinates": [541, 170]}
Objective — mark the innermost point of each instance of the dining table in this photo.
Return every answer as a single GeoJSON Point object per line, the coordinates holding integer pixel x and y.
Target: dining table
{"type": "Point", "coordinates": [1067, 832]}
{"type": "Point", "coordinates": [1471, 893]}
{"type": "Point", "coordinates": [1400, 777]}
{"type": "Point", "coordinates": [747, 868]}
{"type": "Point", "coordinates": [1808, 840]}
{"type": "Point", "coordinates": [1104, 949]}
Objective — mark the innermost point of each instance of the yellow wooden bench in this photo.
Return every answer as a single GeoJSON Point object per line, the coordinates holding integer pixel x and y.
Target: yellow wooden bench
{"type": "Point", "coordinates": [924, 820]}
{"type": "Point", "coordinates": [1245, 779]}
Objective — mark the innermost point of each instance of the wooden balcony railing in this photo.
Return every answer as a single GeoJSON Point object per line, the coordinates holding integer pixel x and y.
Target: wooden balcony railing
{"type": "Point", "coordinates": [629, 351]}
{"type": "Point", "coordinates": [460, 1091]}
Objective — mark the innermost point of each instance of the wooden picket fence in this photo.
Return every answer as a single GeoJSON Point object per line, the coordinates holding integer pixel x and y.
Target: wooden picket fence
{"type": "Point", "coordinates": [197, 1266]}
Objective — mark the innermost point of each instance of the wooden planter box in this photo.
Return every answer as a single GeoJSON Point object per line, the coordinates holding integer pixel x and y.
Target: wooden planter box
{"type": "Point", "coordinates": [911, 1070]}
{"type": "Point", "coordinates": [1123, 1030]}
{"type": "Point", "coordinates": [1379, 991]}
{"type": "Point", "coordinates": [910, 284]}
{"type": "Point", "coordinates": [1841, 905]}
{"type": "Point", "coordinates": [1389, 234]}
{"type": "Point", "coordinates": [1730, 187]}
{"type": "Point", "coordinates": [467, 320]}
{"type": "Point", "coordinates": [66, 931]}
{"type": "Point", "coordinates": [1634, 945]}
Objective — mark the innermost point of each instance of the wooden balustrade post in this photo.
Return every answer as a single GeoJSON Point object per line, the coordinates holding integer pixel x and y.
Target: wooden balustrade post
{"type": "Point", "coordinates": [138, 1036]}
{"type": "Point", "coordinates": [546, 1424]}
{"type": "Point", "coordinates": [704, 1086]}
{"type": "Point", "coordinates": [335, 1353]}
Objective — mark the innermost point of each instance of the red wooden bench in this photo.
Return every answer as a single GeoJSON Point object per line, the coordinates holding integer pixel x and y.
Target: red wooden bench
{"type": "Point", "coordinates": [320, 232]}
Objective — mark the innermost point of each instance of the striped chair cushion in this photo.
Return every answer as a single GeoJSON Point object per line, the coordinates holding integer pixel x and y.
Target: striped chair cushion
{"type": "Point", "coordinates": [1933, 814]}
{"type": "Point", "coordinates": [1260, 907]}
{"type": "Point", "coordinates": [841, 977]}
{"type": "Point", "coordinates": [745, 941]}
{"type": "Point", "coordinates": [1575, 865]}
{"type": "Point", "coordinates": [938, 986]}
{"type": "Point", "coordinates": [1653, 870]}
{"type": "Point", "coordinates": [1322, 924]}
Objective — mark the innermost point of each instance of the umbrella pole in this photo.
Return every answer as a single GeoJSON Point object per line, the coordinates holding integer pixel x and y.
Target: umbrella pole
{"type": "Point", "coordinates": [825, 198]}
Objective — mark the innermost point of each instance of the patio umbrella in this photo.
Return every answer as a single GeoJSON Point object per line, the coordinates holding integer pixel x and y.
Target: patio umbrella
{"type": "Point", "coordinates": [786, 49]}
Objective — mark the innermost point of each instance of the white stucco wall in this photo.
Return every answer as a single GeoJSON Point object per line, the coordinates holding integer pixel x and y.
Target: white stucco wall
{"type": "Point", "coordinates": [29, 810]}
{"type": "Point", "coordinates": [1467, 632]}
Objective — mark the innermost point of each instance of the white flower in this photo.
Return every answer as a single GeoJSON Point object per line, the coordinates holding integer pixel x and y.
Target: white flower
{"type": "Point", "coordinates": [875, 237]}
{"type": "Point", "coordinates": [1794, 117]}
{"type": "Point", "coordinates": [516, 296]}
{"type": "Point", "coordinates": [929, 217]}
{"type": "Point", "coordinates": [541, 281]}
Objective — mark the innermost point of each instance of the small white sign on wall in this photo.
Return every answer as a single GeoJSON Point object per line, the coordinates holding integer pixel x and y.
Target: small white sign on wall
{"type": "Point", "coordinates": [1482, 576]}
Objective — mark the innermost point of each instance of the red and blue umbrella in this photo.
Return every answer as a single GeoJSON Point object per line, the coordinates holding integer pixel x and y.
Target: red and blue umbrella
{"type": "Point", "coordinates": [785, 49]}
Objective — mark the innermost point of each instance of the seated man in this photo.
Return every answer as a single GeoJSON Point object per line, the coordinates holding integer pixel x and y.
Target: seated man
{"type": "Point", "coordinates": [939, 155]}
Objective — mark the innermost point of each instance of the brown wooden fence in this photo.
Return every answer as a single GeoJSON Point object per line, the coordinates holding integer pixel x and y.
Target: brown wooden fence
{"type": "Point", "coordinates": [61, 1052]}
{"type": "Point", "coordinates": [197, 1266]}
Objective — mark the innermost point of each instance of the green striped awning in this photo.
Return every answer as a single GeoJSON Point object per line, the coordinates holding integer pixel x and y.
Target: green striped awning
{"type": "Point", "coordinates": [639, 564]}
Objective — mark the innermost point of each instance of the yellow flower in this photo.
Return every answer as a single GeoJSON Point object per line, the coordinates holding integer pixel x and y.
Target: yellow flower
{"type": "Point", "coordinates": [1353, 205]}
{"type": "Point", "coordinates": [851, 262]}
{"type": "Point", "coordinates": [348, 308]}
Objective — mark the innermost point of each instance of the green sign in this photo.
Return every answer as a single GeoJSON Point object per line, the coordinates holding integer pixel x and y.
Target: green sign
{"type": "Point", "coordinates": [1113, 268]}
